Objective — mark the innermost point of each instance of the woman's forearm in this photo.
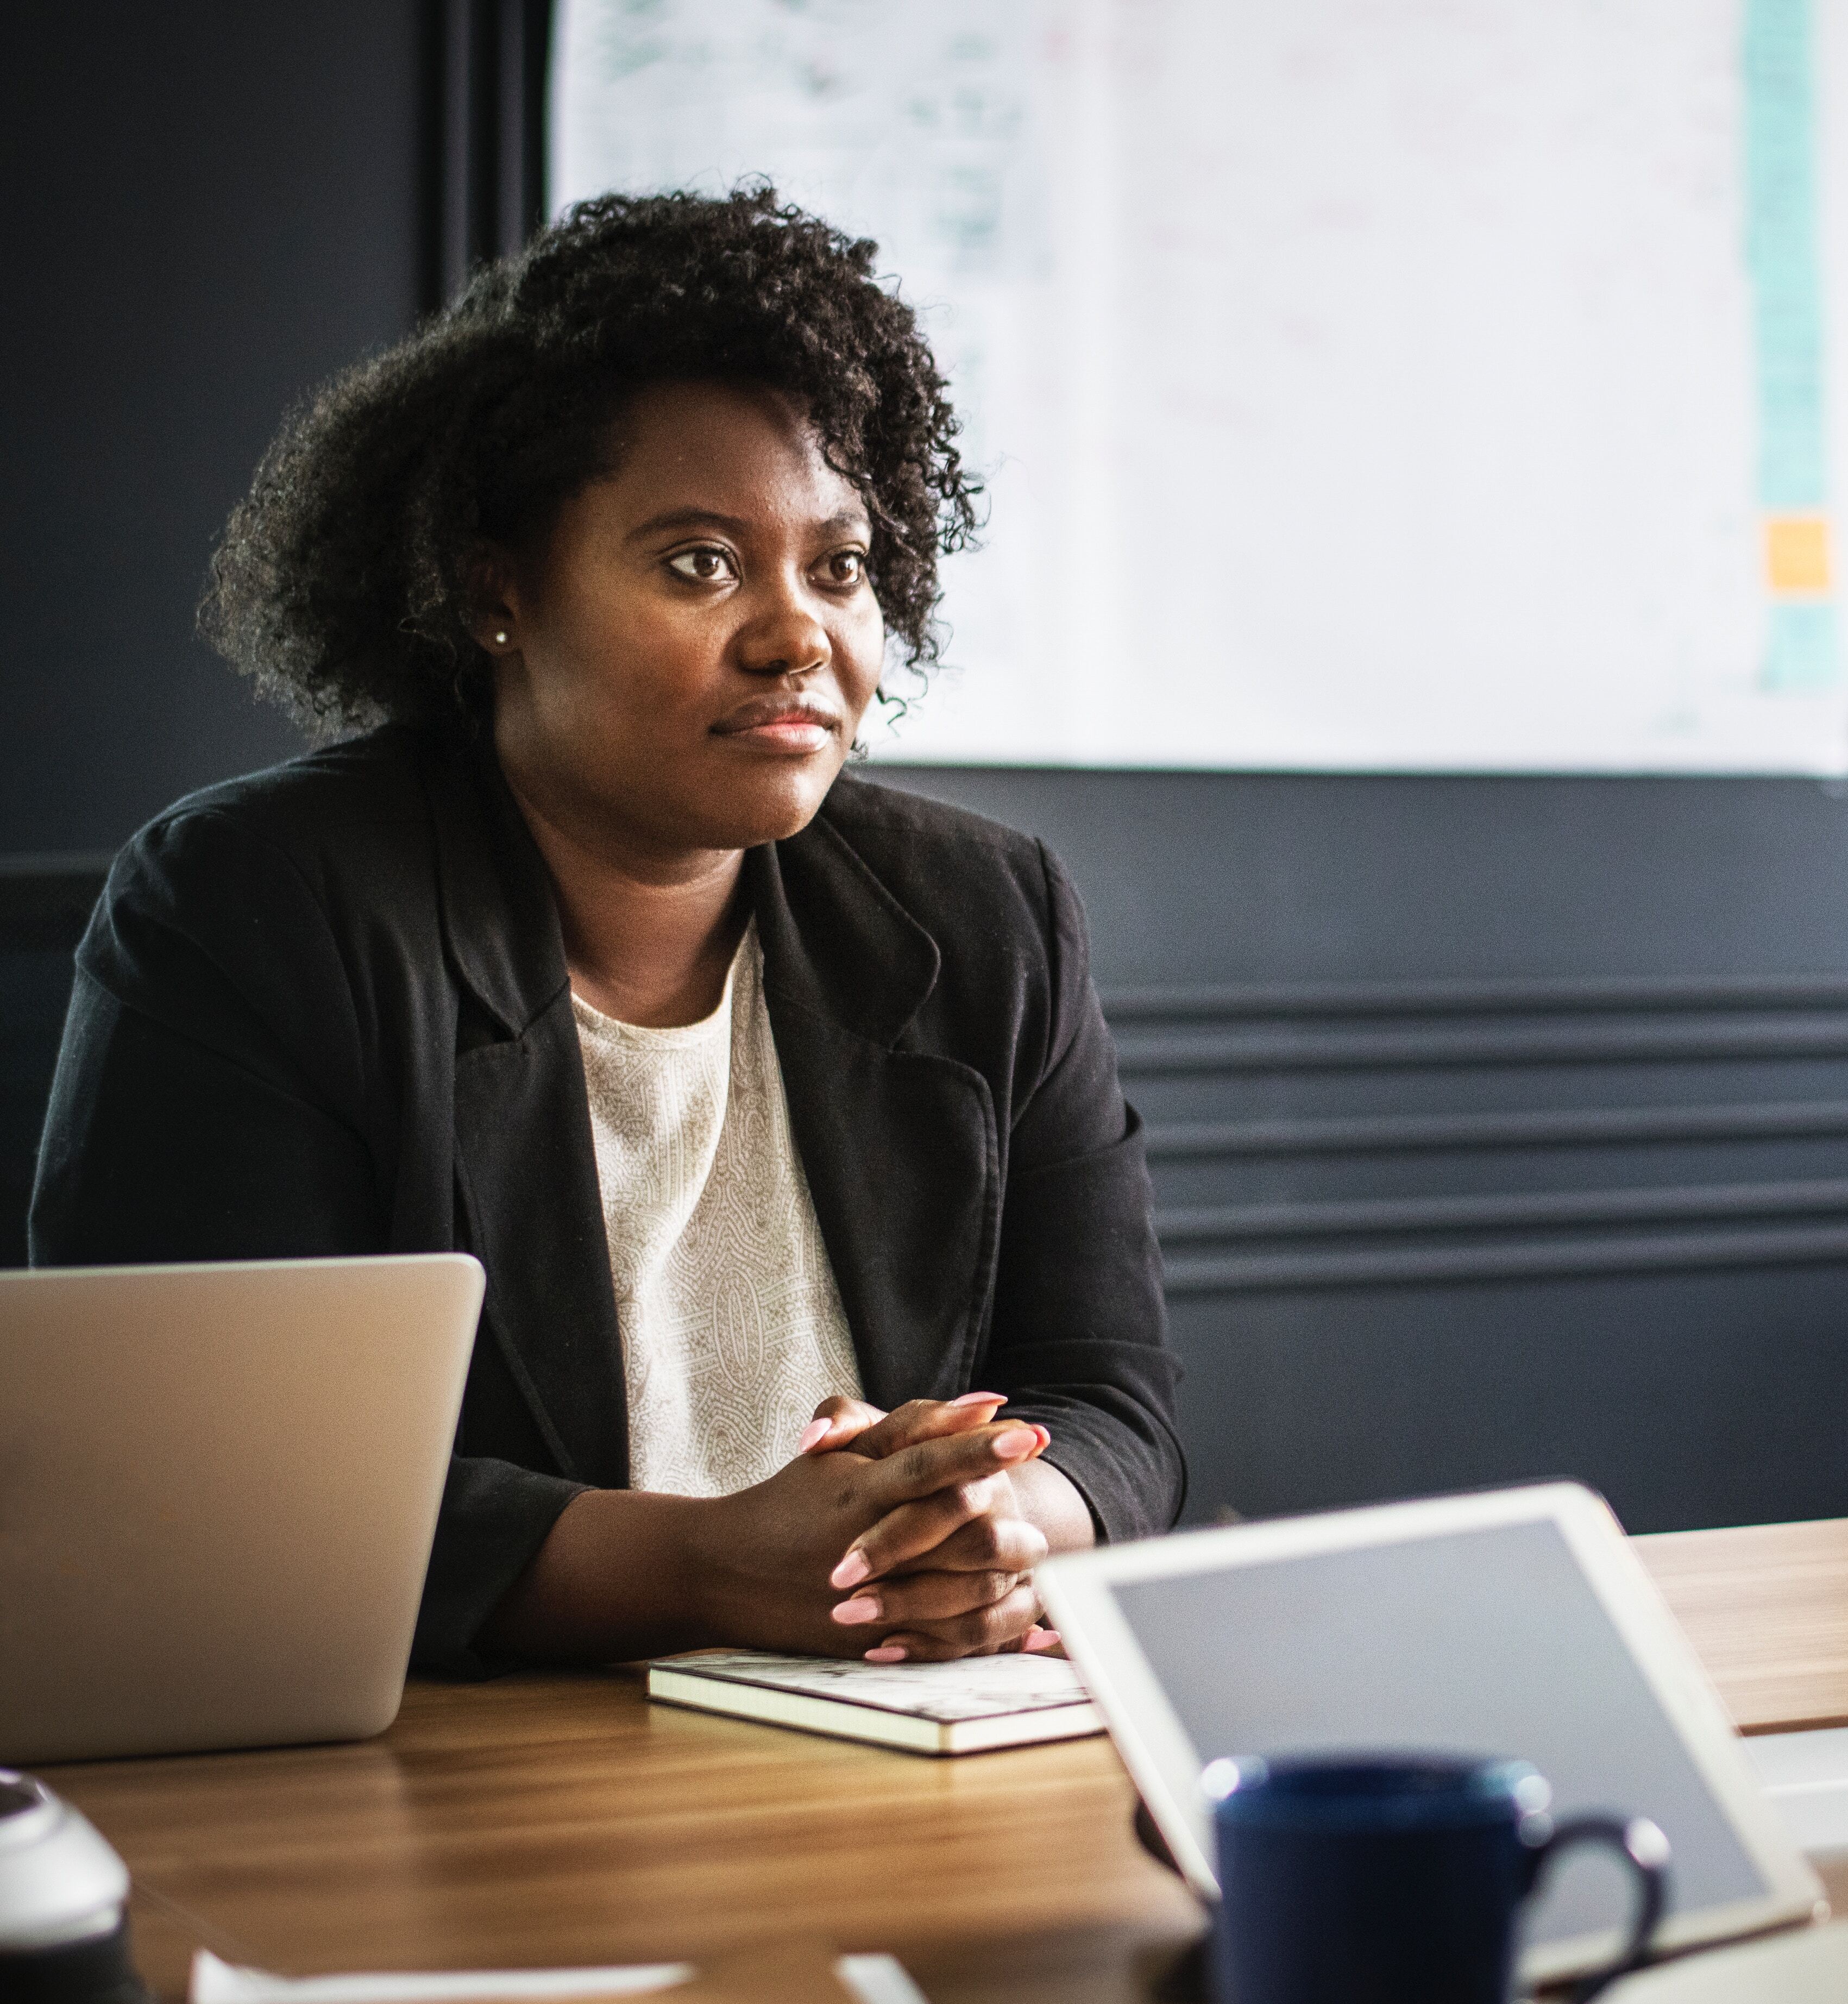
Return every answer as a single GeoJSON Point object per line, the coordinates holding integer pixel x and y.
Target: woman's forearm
{"type": "Point", "coordinates": [1051, 1503]}
{"type": "Point", "coordinates": [615, 1580]}
{"type": "Point", "coordinates": [630, 1573]}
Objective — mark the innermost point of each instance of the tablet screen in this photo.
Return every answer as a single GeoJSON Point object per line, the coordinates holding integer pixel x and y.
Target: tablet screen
{"type": "Point", "coordinates": [1489, 1641]}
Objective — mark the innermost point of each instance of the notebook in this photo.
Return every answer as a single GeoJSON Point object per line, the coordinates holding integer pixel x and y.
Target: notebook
{"type": "Point", "coordinates": [960, 1708]}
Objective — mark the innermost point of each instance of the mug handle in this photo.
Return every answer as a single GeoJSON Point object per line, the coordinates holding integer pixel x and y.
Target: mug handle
{"type": "Point", "coordinates": [1644, 1849]}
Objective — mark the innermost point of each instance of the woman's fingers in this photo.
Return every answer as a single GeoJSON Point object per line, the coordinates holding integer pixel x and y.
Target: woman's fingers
{"type": "Point", "coordinates": [842, 1422]}
{"type": "Point", "coordinates": [913, 1530]}
{"type": "Point", "coordinates": [987, 1543]}
{"type": "Point", "coordinates": [839, 1421]}
{"type": "Point", "coordinates": [924, 1597]}
{"type": "Point", "coordinates": [930, 1466]}
{"type": "Point", "coordinates": [983, 1632]}
{"type": "Point", "coordinates": [928, 1419]}
{"type": "Point", "coordinates": [956, 1477]}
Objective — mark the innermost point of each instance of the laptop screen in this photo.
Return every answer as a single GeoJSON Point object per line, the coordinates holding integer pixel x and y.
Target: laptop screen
{"type": "Point", "coordinates": [1490, 1642]}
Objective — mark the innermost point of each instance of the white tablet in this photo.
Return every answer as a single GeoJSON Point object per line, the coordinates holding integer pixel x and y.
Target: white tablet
{"type": "Point", "coordinates": [1517, 1622]}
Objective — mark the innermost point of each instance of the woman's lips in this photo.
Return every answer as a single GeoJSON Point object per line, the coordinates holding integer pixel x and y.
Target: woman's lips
{"type": "Point", "coordinates": [794, 727]}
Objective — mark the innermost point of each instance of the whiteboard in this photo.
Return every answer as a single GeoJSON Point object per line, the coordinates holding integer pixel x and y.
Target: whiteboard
{"type": "Point", "coordinates": [1382, 385]}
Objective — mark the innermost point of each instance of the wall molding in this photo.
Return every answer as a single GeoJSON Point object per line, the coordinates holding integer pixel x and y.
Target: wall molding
{"type": "Point", "coordinates": [1531, 1210]}
{"type": "Point", "coordinates": [1144, 1055]}
{"type": "Point", "coordinates": [1184, 1002]}
{"type": "Point", "coordinates": [1524, 1260]}
{"type": "Point", "coordinates": [1410, 1235]}
{"type": "Point", "coordinates": [1603, 1127]}
{"type": "Point", "coordinates": [46, 900]}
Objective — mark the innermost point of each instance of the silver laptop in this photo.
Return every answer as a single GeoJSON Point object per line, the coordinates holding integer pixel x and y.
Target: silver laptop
{"type": "Point", "coordinates": [218, 1489]}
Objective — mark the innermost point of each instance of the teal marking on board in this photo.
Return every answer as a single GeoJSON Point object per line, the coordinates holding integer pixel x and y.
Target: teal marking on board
{"type": "Point", "coordinates": [1802, 654]}
{"type": "Point", "coordinates": [1781, 251]}
{"type": "Point", "coordinates": [1783, 264]}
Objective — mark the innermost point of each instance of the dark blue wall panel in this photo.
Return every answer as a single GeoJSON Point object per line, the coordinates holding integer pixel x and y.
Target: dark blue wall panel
{"type": "Point", "coordinates": [1498, 1127]}
{"type": "Point", "coordinates": [209, 208]}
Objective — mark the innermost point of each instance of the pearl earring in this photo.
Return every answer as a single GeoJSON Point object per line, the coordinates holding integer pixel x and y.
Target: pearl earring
{"type": "Point", "coordinates": [500, 637]}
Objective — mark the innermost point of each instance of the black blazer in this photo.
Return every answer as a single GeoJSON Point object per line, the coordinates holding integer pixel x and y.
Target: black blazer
{"type": "Point", "coordinates": [325, 1010]}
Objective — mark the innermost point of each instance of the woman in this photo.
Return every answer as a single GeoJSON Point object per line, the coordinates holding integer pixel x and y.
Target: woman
{"type": "Point", "coordinates": [759, 1091]}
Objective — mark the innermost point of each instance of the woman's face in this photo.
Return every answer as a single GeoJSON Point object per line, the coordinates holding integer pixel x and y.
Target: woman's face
{"type": "Point", "coordinates": [688, 655]}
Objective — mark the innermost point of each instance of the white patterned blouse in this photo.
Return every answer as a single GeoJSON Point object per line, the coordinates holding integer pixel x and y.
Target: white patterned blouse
{"type": "Point", "coordinates": [732, 1326]}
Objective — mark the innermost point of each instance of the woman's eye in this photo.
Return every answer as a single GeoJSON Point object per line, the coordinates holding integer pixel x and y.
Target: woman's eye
{"type": "Point", "coordinates": [703, 566]}
{"type": "Point", "coordinates": [846, 566]}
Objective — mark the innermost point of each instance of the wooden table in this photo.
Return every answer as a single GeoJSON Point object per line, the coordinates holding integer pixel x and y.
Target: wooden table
{"type": "Point", "coordinates": [560, 1819]}
{"type": "Point", "coordinates": [1766, 1609]}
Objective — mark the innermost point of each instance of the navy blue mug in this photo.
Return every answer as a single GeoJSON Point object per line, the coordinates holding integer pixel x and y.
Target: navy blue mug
{"type": "Point", "coordinates": [1396, 1879]}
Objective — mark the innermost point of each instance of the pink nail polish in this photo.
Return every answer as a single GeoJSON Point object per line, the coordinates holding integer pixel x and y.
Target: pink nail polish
{"type": "Point", "coordinates": [851, 1570]}
{"type": "Point", "coordinates": [1041, 1638]}
{"type": "Point", "coordinates": [852, 1613]}
{"type": "Point", "coordinates": [888, 1652]}
{"type": "Point", "coordinates": [1016, 1444]}
{"type": "Point", "coordinates": [980, 1399]}
{"type": "Point", "coordinates": [1045, 1437]}
{"type": "Point", "coordinates": [816, 1430]}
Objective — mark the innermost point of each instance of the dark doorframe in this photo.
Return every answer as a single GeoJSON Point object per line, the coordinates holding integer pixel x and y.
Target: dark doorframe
{"type": "Point", "coordinates": [484, 65]}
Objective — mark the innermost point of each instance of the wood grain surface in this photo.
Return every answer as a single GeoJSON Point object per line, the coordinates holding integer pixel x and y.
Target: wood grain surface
{"type": "Point", "coordinates": [559, 1820]}
{"type": "Point", "coordinates": [1766, 1609]}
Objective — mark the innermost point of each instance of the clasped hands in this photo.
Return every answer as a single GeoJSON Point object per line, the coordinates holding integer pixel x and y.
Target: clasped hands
{"type": "Point", "coordinates": [897, 1536]}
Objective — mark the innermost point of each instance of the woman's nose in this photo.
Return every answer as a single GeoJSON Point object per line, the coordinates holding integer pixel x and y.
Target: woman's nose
{"type": "Point", "coordinates": [786, 639]}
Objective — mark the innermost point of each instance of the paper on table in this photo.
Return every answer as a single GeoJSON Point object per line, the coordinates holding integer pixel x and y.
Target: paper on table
{"type": "Point", "coordinates": [874, 1979]}
{"type": "Point", "coordinates": [216, 1982]}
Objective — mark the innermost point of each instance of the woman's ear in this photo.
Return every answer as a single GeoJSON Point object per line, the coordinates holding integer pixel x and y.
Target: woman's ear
{"type": "Point", "coordinates": [493, 624]}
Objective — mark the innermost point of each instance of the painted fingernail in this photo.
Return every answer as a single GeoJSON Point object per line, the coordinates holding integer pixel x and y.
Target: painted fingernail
{"type": "Point", "coordinates": [1016, 1444]}
{"type": "Point", "coordinates": [980, 1399]}
{"type": "Point", "coordinates": [888, 1652]}
{"type": "Point", "coordinates": [816, 1430]}
{"type": "Point", "coordinates": [1041, 1638]}
{"type": "Point", "coordinates": [1045, 1437]}
{"type": "Point", "coordinates": [851, 1570]}
{"type": "Point", "coordinates": [862, 1608]}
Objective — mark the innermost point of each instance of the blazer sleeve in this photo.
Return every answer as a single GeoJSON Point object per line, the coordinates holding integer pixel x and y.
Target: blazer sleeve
{"type": "Point", "coordinates": [214, 1100]}
{"type": "Point", "coordinates": [1079, 1338]}
{"type": "Point", "coordinates": [208, 1095]}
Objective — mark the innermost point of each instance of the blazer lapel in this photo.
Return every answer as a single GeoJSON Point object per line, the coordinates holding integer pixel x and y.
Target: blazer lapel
{"type": "Point", "coordinates": [526, 1165]}
{"type": "Point", "coordinates": [899, 1147]}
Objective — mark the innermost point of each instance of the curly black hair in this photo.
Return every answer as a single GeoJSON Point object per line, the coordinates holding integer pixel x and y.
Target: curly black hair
{"type": "Point", "coordinates": [345, 582]}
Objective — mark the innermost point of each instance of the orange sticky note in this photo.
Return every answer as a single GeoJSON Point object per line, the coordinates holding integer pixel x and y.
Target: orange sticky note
{"type": "Point", "coordinates": [1797, 552]}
